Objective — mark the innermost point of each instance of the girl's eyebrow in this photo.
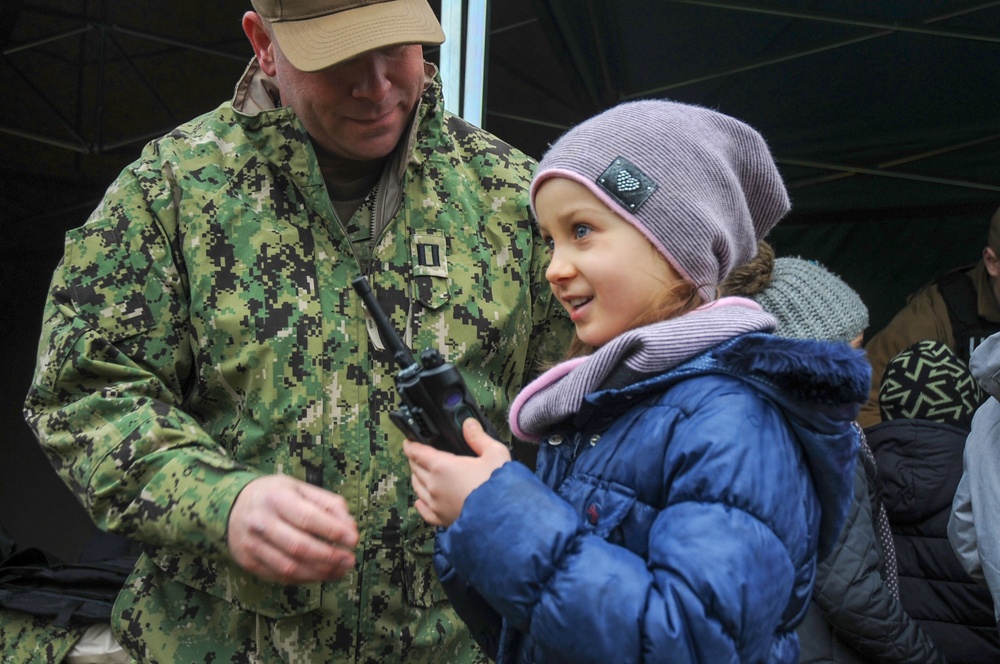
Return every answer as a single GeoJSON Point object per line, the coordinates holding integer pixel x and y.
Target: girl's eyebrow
{"type": "Point", "coordinates": [574, 211]}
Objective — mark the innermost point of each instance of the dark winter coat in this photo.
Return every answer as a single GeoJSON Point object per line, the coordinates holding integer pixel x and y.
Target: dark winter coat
{"type": "Point", "coordinates": [920, 463]}
{"type": "Point", "coordinates": [854, 617]}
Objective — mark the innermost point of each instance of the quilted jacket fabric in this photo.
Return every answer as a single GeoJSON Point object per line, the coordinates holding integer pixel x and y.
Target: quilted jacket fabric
{"type": "Point", "coordinates": [920, 462]}
{"type": "Point", "coordinates": [676, 519]}
{"type": "Point", "coordinates": [854, 616]}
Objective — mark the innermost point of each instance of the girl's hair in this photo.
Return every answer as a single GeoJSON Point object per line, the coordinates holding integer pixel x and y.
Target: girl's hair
{"type": "Point", "coordinates": [752, 277]}
{"type": "Point", "coordinates": [680, 297]}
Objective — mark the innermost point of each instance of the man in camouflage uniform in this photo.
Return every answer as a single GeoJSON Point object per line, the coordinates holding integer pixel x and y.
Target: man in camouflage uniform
{"type": "Point", "coordinates": [206, 382]}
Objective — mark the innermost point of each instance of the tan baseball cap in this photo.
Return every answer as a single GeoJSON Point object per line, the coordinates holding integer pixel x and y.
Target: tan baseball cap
{"type": "Point", "coordinates": [316, 34]}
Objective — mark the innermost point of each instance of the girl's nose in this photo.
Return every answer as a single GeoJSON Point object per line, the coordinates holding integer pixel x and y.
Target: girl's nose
{"type": "Point", "coordinates": [559, 269]}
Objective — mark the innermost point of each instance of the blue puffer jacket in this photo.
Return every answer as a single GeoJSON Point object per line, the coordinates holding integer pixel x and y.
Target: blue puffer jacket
{"type": "Point", "coordinates": [674, 520]}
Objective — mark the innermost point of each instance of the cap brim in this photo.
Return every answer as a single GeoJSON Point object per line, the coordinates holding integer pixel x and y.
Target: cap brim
{"type": "Point", "coordinates": [318, 43]}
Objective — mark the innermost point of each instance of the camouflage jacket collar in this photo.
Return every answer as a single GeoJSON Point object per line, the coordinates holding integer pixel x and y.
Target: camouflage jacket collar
{"type": "Point", "coordinates": [256, 103]}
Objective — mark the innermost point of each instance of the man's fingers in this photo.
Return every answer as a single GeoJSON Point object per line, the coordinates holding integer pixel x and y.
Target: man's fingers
{"type": "Point", "coordinates": [285, 530]}
{"type": "Point", "coordinates": [326, 500]}
{"type": "Point", "coordinates": [335, 528]}
{"type": "Point", "coordinates": [286, 563]}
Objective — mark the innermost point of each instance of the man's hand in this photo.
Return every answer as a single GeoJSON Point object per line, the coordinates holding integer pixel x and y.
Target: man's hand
{"type": "Point", "coordinates": [442, 481]}
{"type": "Point", "coordinates": [286, 530]}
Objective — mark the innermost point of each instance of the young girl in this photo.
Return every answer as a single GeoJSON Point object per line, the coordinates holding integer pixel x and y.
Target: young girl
{"type": "Point", "coordinates": [691, 465]}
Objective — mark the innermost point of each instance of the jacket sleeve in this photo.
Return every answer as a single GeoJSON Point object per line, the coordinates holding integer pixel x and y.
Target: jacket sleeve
{"type": "Point", "coordinates": [962, 531]}
{"type": "Point", "coordinates": [854, 598]}
{"type": "Point", "coordinates": [698, 592]}
{"type": "Point", "coordinates": [973, 529]}
{"type": "Point", "coordinates": [925, 316]}
{"type": "Point", "coordinates": [113, 361]}
{"type": "Point", "coordinates": [483, 622]}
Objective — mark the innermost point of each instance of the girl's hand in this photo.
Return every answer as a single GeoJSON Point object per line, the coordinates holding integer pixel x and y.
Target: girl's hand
{"type": "Point", "coordinates": [442, 481]}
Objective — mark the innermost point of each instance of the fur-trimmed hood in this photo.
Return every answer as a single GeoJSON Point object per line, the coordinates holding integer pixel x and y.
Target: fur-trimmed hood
{"type": "Point", "coordinates": [804, 376]}
{"type": "Point", "coordinates": [813, 372]}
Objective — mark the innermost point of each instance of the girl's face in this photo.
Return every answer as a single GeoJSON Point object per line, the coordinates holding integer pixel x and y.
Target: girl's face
{"type": "Point", "coordinates": [604, 272]}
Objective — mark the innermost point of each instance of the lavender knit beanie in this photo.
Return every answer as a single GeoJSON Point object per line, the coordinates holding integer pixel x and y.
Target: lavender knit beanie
{"type": "Point", "coordinates": [700, 185]}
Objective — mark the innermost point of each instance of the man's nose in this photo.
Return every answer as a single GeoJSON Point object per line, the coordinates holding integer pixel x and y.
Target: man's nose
{"type": "Point", "coordinates": [372, 81]}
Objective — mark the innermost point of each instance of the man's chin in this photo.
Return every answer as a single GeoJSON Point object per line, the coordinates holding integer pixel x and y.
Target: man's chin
{"type": "Point", "coordinates": [366, 150]}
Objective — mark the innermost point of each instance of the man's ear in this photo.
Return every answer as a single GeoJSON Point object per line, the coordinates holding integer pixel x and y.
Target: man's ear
{"type": "Point", "coordinates": [260, 39]}
{"type": "Point", "coordinates": [992, 262]}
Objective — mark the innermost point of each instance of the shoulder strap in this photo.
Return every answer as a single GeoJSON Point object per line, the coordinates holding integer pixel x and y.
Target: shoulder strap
{"type": "Point", "coordinates": [960, 296]}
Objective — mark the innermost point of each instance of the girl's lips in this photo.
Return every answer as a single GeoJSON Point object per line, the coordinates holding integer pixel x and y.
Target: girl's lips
{"type": "Point", "coordinates": [572, 302]}
{"type": "Point", "coordinates": [578, 310]}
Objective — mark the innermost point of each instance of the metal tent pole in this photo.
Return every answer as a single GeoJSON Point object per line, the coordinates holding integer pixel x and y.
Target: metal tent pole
{"type": "Point", "coordinates": [465, 24]}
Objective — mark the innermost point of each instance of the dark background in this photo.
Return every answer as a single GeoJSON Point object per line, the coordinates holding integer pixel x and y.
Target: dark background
{"type": "Point", "coordinates": [883, 117]}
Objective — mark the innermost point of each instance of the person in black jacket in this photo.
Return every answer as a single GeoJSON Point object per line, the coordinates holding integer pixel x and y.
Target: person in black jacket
{"type": "Point", "coordinates": [927, 399]}
{"type": "Point", "coordinates": [855, 615]}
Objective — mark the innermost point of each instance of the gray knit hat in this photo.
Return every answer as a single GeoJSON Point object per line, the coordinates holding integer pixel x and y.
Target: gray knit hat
{"type": "Point", "coordinates": [700, 185]}
{"type": "Point", "coordinates": [810, 302]}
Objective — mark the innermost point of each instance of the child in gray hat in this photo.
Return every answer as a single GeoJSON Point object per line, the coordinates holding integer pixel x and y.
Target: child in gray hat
{"type": "Point", "coordinates": [692, 467]}
{"type": "Point", "coordinates": [856, 614]}
{"type": "Point", "coordinates": [810, 302]}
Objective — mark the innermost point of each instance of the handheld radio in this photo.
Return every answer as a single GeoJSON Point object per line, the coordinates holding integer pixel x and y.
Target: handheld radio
{"type": "Point", "coordinates": [435, 399]}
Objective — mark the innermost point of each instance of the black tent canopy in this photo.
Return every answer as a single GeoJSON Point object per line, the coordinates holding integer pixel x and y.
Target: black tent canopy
{"type": "Point", "coordinates": [884, 117]}
{"type": "Point", "coordinates": [901, 93]}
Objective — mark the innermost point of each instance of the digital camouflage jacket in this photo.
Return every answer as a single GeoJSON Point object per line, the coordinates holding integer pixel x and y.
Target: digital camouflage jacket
{"type": "Point", "coordinates": [201, 331]}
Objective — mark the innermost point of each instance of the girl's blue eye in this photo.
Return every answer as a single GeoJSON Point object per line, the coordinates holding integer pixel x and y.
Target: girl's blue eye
{"type": "Point", "coordinates": [549, 242]}
{"type": "Point", "coordinates": [580, 230]}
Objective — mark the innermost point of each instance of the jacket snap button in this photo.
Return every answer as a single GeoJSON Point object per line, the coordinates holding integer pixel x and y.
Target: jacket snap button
{"type": "Point", "coordinates": [555, 440]}
{"type": "Point", "coordinates": [594, 439]}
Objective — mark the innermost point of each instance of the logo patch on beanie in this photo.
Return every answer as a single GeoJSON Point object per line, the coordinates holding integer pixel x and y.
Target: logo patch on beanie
{"type": "Point", "coordinates": [626, 183]}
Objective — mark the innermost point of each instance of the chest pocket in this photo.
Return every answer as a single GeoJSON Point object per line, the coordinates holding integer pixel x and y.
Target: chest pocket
{"type": "Point", "coordinates": [602, 505]}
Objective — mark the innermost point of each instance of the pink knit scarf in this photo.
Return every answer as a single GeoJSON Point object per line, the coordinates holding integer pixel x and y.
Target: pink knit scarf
{"type": "Point", "coordinates": [632, 356]}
